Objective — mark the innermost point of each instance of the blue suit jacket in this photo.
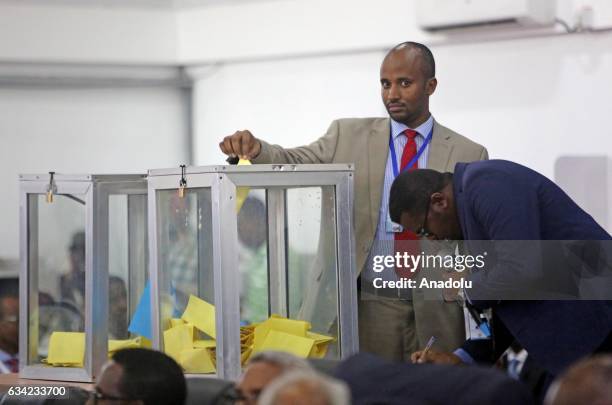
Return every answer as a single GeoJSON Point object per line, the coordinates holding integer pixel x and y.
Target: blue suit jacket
{"type": "Point", "coordinates": [373, 380]}
{"type": "Point", "coordinates": [501, 200]}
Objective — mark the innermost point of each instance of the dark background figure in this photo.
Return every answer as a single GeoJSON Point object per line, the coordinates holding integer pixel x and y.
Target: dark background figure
{"type": "Point", "coordinates": [9, 325]}
{"type": "Point", "coordinates": [118, 308]}
{"type": "Point", "coordinates": [72, 289]}
{"type": "Point", "coordinates": [140, 377]}
{"type": "Point", "coordinates": [72, 284]}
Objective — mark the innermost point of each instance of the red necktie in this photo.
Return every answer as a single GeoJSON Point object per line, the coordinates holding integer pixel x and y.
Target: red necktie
{"type": "Point", "coordinates": [12, 364]}
{"type": "Point", "coordinates": [410, 151]}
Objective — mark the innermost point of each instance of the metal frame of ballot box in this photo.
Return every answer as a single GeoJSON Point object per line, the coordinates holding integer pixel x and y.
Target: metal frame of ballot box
{"type": "Point", "coordinates": [93, 191]}
{"type": "Point", "coordinates": [223, 181]}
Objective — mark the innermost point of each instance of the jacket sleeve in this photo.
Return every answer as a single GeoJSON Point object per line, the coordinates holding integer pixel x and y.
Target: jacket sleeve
{"type": "Point", "coordinates": [484, 154]}
{"type": "Point", "coordinates": [320, 151]}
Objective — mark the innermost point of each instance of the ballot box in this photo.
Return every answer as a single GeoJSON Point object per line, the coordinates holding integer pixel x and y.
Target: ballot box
{"type": "Point", "coordinates": [249, 258]}
{"type": "Point", "coordinates": [83, 247]}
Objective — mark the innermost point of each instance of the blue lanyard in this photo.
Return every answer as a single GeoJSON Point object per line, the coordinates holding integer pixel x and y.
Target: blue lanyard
{"type": "Point", "coordinates": [414, 159]}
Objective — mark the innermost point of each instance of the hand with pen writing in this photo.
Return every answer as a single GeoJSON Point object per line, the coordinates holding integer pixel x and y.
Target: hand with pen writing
{"type": "Point", "coordinates": [435, 357]}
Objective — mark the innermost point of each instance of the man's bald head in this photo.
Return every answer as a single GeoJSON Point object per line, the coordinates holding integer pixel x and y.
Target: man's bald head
{"type": "Point", "coordinates": [406, 83]}
{"type": "Point", "coordinates": [586, 382]}
{"type": "Point", "coordinates": [410, 49]}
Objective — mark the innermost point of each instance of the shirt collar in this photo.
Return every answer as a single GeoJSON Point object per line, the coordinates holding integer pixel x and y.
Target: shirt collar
{"type": "Point", "coordinates": [397, 128]}
{"type": "Point", "coordinates": [520, 356]}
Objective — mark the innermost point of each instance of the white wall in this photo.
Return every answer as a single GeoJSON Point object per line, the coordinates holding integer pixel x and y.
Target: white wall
{"type": "Point", "coordinates": [86, 88]}
{"type": "Point", "coordinates": [288, 102]}
{"type": "Point", "coordinates": [62, 33]}
{"type": "Point", "coordinates": [84, 130]}
{"type": "Point", "coordinates": [287, 27]}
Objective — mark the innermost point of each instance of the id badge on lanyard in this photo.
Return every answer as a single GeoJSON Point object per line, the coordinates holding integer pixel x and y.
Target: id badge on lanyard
{"type": "Point", "coordinates": [390, 226]}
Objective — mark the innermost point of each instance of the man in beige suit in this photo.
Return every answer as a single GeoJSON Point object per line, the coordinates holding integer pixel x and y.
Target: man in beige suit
{"type": "Point", "coordinates": [391, 323]}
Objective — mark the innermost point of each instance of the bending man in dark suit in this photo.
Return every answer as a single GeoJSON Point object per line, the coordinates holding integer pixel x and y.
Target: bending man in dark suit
{"type": "Point", "coordinates": [388, 326]}
{"type": "Point", "coordinates": [502, 201]}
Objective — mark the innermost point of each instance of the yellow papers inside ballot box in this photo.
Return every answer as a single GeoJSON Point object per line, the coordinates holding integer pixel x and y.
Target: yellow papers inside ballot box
{"type": "Point", "coordinates": [115, 344]}
{"type": "Point", "coordinates": [245, 355]}
{"type": "Point", "coordinates": [177, 339]}
{"type": "Point", "coordinates": [66, 349]}
{"type": "Point", "coordinates": [204, 344]}
{"type": "Point", "coordinates": [196, 361]}
{"type": "Point", "coordinates": [319, 349]}
{"type": "Point", "coordinates": [200, 314]}
{"type": "Point", "coordinates": [176, 322]}
{"type": "Point", "coordinates": [277, 323]}
{"type": "Point", "coordinates": [285, 342]}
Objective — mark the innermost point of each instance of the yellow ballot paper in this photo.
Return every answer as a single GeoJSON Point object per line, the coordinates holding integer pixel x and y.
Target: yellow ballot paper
{"type": "Point", "coordinates": [176, 322]}
{"type": "Point", "coordinates": [196, 361]}
{"type": "Point", "coordinates": [177, 339]}
{"type": "Point", "coordinates": [245, 355]}
{"type": "Point", "coordinates": [318, 338]}
{"type": "Point", "coordinates": [319, 349]}
{"type": "Point", "coordinates": [242, 192]}
{"type": "Point", "coordinates": [114, 345]}
{"type": "Point", "coordinates": [201, 314]}
{"type": "Point", "coordinates": [66, 349]}
{"type": "Point", "coordinates": [284, 342]}
{"type": "Point", "coordinates": [204, 344]}
{"type": "Point", "coordinates": [275, 322]}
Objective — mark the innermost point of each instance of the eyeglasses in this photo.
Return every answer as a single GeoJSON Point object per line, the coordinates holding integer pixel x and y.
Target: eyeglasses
{"type": "Point", "coordinates": [423, 232]}
{"type": "Point", "coordinates": [98, 395]}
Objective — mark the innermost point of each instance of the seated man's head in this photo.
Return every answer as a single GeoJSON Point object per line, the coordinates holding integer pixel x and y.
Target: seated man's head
{"type": "Point", "coordinates": [586, 382]}
{"type": "Point", "coordinates": [422, 201]}
{"type": "Point", "coordinates": [307, 388]}
{"type": "Point", "coordinates": [262, 369]}
{"type": "Point", "coordinates": [140, 377]}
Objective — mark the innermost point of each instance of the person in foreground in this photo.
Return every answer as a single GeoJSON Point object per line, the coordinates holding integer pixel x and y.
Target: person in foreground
{"type": "Point", "coordinates": [305, 388]}
{"type": "Point", "coordinates": [262, 369]}
{"type": "Point", "coordinates": [500, 200]}
{"type": "Point", "coordinates": [587, 382]}
{"type": "Point", "coordinates": [140, 377]}
{"type": "Point", "coordinates": [373, 380]}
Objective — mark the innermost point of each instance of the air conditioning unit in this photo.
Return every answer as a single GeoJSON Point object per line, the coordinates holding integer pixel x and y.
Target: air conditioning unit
{"type": "Point", "coordinates": [437, 15]}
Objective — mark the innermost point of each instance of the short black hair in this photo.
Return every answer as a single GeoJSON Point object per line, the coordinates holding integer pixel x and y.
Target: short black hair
{"type": "Point", "coordinates": [411, 190]}
{"type": "Point", "coordinates": [151, 376]}
{"type": "Point", "coordinates": [9, 287]}
{"type": "Point", "coordinates": [429, 63]}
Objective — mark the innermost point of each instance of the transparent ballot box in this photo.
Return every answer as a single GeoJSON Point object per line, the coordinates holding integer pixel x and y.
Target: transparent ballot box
{"type": "Point", "coordinates": [83, 271]}
{"type": "Point", "coordinates": [251, 258]}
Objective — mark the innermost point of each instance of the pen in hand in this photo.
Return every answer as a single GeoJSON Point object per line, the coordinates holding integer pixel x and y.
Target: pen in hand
{"type": "Point", "coordinates": [428, 346]}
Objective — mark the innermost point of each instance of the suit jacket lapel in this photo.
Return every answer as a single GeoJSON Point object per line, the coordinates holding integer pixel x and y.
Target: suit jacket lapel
{"type": "Point", "coordinates": [440, 149]}
{"type": "Point", "coordinates": [378, 146]}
